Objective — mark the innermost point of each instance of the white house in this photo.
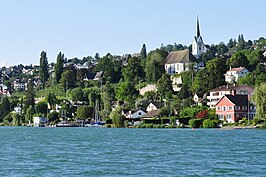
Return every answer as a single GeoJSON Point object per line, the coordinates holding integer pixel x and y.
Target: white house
{"type": "Point", "coordinates": [217, 93]}
{"type": "Point", "coordinates": [17, 109]}
{"type": "Point", "coordinates": [176, 63]}
{"type": "Point", "coordinates": [134, 114]}
{"type": "Point", "coordinates": [153, 106]}
{"type": "Point", "coordinates": [234, 74]}
{"type": "Point", "coordinates": [39, 121]}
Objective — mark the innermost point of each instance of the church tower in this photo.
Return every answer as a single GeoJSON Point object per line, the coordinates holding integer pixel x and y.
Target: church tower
{"type": "Point", "coordinates": [198, 46]}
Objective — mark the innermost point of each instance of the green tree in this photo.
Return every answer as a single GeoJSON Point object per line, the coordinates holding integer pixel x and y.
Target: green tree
{"type": "Point", "coordinates": [81, 74]}
{"type": "Point", "coordinates": [154, 65]}
{"type": "Point", "coordinates": [133, 71]}
{"type": "Point", "coordinates": [68, 79]}
{"type": "Point", "coordinates": [241, 44]}
{"type": "Point", "coordinates": [143, 52]}
{"type": "Point", "coordinates": [237, 60]}
{"type": "Point", "coordinates": [77, 94]}
{"type": "Point", "coordinates": [29, 114]}
{"type": "Point", "coordinates": [164, 87]}
{"type": "Point", "coordinates": [207, 123]}
{"type": "Point", "coordinates": [222, 48]}
{"type": "Point", "coordinates": [5, 106]}
{"type": "Point", "coordinates": [254, 57]}
{"type": "Point", "coordinates": [126, 91]}
{"type": "Point", "coordinates": [43, 68]}
{"type": "Point", "coordinates": [84, 112]}
{"type": "Point", "coordinates": [216, 69]}
{"type": "Point", "coordinates": [59, 67]}
{"type": "Point", "coordinates": [41, 108]}
{"type": "Point", "coordinates": [201, 82]}
{"type": "Point", "coordinates": [117, 118]}
{"type": "Point", "coordinates": [231, 43]}
{"type": "Point", "coordinates": [29, 99]}
{"type": "Point", "coordinates": [111, 67]}
{"type": "Point", "coordinates": [53, 117]}
{"type": "Point", "coordinates": [260, 101]}
{"type": "Point", "coordinates": [51, 100]}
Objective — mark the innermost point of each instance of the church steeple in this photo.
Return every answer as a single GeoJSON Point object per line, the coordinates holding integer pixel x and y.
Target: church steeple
{"type": "Point", "coordinates": [198, 46]}
{"type": "Point", "coordinates": [198, 29]}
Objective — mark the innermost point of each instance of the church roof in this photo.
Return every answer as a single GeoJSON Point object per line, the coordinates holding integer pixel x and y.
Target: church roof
{"type": "Point", "coordinates": [182, 56]}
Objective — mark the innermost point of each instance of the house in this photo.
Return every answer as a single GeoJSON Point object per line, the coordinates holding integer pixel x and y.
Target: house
{"type": "Point", "coordinates": [151, 114]}
{"type": "Point", "coordinates": [232, 108]}
{"type": "Point", "coordinates": [4, 90]}
{"type": "Point", "coordinates": [217, 93]}
{"type": "Point", "coordinates": [176, 63]}
{"type": "Point", "coordinates": [153, 106]}
{"type": "Point", "coordinates": [234, 74]}
{"type": "Point", "coordinates": [98, 76]}
{"type": "Point", "coordinates": [19, 85]}
{"type": "Point", "coordinates": [199, 98]}
{"type": "Point", "coordinates": [39, 121]}
{"type": "Point", "coordinates": [134, 114]}
{"type": "Point", "coordinates": [148, 88]}
{"type": "Point", "coordinates": [89, 76]}
{"type": "Point", "coordinates": [17, 109]}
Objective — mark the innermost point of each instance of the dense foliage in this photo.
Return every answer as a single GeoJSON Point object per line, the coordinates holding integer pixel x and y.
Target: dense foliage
{"type": "Point", "coordinates": [69, 89]}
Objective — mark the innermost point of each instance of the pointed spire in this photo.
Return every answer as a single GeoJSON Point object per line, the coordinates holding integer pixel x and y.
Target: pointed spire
{"type": "Point", "coordinates": [198, 29]}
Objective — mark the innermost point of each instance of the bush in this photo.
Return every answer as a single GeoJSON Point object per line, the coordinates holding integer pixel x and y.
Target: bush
{"type": "Point", "coordinates": [210, 123]}
{"type": "Point", "coordinates": [263, 126]}
{"type": "Point", "coordinates": [195, 123]}
{"type": "Point", "coordinates": [171, 126]}
{"type": "Point", "coordinates": [257, 120]}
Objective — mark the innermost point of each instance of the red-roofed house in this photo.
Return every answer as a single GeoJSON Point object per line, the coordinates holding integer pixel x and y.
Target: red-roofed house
{"type": "Point", "coordinates": [234, 74]}
{"type": "Point", "coordinates": [232, 108]}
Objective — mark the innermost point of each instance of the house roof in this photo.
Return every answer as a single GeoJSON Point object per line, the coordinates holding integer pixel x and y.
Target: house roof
{"type": "Point", "coordinates": [237, 69]}
{"type": "Point", "coordinates": [126, 111]}
{"type": "Point", "coordinates": [151, 114]}
{"type": "Point", "coordinates": [182, 56]}
{"type": "Point", "coordinates": [231, 87]}
{"type": "Point", "coordinates": [239, 100]}
{"type": "Point", "coordinates": [156, 103]}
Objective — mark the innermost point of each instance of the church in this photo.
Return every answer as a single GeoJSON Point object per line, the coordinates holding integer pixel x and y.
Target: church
{"type": "Point", "coordinates": [198, 46]}
{"type": "Point", "coordinates": [180, 61]}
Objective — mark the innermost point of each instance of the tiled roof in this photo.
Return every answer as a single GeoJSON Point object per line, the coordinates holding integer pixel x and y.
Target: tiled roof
{"type": "Point", "coordinates": [237, 69]}
{"type": "Point", "coordinates": [182, 56]}
{"type": "Point", "coordinates": [151, 114]}
{"type": "Point", "coordinates": [232, 87]}
{"type": "Point", "coordinates": [239, 100]}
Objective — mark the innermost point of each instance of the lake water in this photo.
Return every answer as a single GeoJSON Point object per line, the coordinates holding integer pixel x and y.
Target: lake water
{"type": "Point", "coordinates": [28, 151]}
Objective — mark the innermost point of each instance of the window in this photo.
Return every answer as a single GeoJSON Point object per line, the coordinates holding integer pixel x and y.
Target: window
{"type": "Point", "coordinates": [224, 108]}
{"type": "Point", "coordinates": [139, 113]}
{"type": "Point", "coordinates": [220, 117]}
{"type": "Point", "coordinates": [237, 115]}
{"type": "Point", "coordinates": [230, 108]}
{"type": "Point", "coordinates": [244, 107]}
{"type": "Point", "coordinates": [228, 116]}
{"type": "Point", "coordinates": [218, 108]}
{"type": "Point", "coordinates": [237, 107]}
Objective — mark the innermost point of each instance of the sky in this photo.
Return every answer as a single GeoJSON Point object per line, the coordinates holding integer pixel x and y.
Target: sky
{"type": "Point", "coordinates": [80, 28]}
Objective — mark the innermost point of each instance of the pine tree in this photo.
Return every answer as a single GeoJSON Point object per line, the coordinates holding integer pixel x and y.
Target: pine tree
{"type": "Point", "coordinates": [143, 53]}
{"type": "Point", "coordinates": [43, 68]}
{"type": "Point", "coordinates": [59, 67]}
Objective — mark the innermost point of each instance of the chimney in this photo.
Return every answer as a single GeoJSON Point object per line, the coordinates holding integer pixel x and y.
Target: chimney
{"type": "Point", "coordinates": [233, 92]}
